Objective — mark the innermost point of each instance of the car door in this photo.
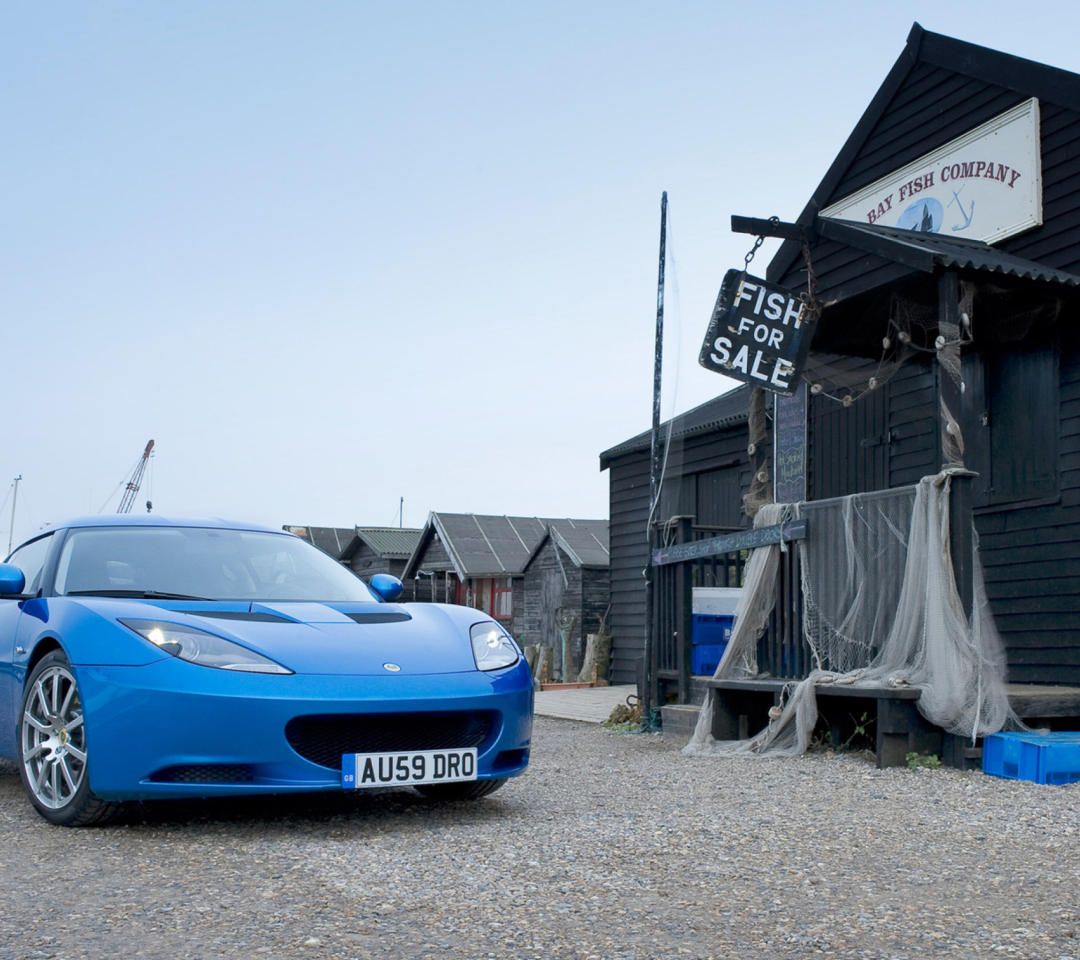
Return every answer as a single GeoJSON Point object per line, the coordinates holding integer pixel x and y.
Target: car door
{"type": "Point", "coordinates": [30, 558]}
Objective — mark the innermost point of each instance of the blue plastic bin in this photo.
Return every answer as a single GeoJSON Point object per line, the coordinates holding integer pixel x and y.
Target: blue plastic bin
{"type": "Point", "coordinates": [709, 629]}
{"type": "Point", "coordinates": [1051, 758]}
{"type": "Point", "coordinates": [705, 658]}
{"type": "Point", "coordinates": [714, 614]}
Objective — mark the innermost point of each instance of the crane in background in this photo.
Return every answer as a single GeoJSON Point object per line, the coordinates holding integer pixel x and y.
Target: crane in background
{"type": "Point", "coordinates": [127, 501]}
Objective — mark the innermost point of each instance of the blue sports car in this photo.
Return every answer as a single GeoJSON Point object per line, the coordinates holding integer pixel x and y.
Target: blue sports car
{"type": "Point", "coordinates": [147, 658]}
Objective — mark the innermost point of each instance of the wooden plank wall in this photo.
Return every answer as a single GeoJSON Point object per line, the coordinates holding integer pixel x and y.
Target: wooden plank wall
{"type": "Point", "coordinates": [365, 563]}
{"type": "Point", "coordinates": [629, 492]}
{"type": "Point", "coordinates": [434, 558]}
{"type": "Point", "coordinates": [543, 589]}
{"type": "Point", "coordinates": [886, 439]}
{"type": "Point", "coordinates": [1031, 554]}
{"type": "Point", "coordinates": [628, 479]}
{"type": "Point", "coordinates": [586, 590]}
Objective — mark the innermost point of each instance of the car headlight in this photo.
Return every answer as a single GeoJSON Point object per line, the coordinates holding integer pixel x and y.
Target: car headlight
{"type": "Point", "coordinates": [492, 646]}
{"type": "Point", "coordinates": [205, 649]}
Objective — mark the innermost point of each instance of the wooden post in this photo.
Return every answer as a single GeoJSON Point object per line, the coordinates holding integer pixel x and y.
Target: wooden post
{"type": "Point", "coordinates": [961, 544]}
{"type": "Point", "coordinates": [684, 614]}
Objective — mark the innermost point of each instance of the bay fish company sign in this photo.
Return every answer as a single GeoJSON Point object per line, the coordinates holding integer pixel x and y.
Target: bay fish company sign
{"type": "Point", "coordinates": [985, 185]}
{"type": "Point", "coordinates": [759, 333]}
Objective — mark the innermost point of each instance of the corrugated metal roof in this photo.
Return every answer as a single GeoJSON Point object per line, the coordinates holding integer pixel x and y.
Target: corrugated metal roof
{"type": "Point", "coordinates": [490, 546]}
{"type": "Point", "coordinates": [585, 541]}
{"type": "Point", "coordinates": [925, 250]}
{"type": "Point", "coordinates": [726, 410]}
{"type": "Point", "coordinates": [331, 540]}
{"type": "Point", "coordinates": [397, 543]}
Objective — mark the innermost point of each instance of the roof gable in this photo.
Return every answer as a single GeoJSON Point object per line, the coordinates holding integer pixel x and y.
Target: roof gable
{"type": "Point", "coordinates": [938, 89]}
{"type": "Point", "coordinates": [585, 542]}
{"type": "Point", "coordinates": [331, 540]}
{"type": "Point", "coordinates": [727, 410]}
{"type": "Point", "coordinates": [396, 543]}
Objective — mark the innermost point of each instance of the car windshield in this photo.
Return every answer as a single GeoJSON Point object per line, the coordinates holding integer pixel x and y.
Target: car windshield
{"type": "Point", "coordinates": [202, 563]}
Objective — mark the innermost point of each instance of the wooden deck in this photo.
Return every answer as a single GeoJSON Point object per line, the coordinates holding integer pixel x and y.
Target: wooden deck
{"type": "Point", "coordinates": [741, 709]}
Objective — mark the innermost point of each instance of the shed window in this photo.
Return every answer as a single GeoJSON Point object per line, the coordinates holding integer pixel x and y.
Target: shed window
{"type": "Point", "coordinates": [1013, 441]}
{"type": "Point", "coordinates": [502, 604]}
{"type": "Point", "coordinates": [493, 595]}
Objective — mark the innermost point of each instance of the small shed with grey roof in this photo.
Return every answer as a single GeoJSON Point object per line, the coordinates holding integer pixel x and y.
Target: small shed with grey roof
{"type": "Point", "coordinates": [567, 584]}
{"type": "Point", "coordinates": [381, 550]}
{"type": "Point", "coordinates": [479, 560]}
{"type": "Point", "coordinates": [331, 540]}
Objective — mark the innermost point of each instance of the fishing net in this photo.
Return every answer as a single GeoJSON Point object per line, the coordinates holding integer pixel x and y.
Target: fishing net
{"type": "Point", "coordinates": [913, 329]}
{"type": "Point", "coordinates": [880, 608]}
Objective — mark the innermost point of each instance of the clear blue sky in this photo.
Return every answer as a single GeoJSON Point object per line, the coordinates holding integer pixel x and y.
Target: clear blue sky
{"type": "Point", "coordinates": [329, 254]}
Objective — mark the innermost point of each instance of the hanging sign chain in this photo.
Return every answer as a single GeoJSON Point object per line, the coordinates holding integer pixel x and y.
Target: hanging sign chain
{"type": "Point", "coordinates": [754, 249]}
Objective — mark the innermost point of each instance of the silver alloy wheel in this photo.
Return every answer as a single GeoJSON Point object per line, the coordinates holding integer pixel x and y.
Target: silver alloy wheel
{"type": "Point", "coordinates": [54, 738]}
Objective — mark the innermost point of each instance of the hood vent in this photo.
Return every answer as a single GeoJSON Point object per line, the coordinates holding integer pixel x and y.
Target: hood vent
{"type": "Point", "coordinates": [249, 615]}
{"type": "Point", "coordinates": [380, 616]}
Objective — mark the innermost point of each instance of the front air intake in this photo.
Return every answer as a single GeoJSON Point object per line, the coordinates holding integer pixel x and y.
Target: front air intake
{"type": "Point", "coordinates": [204, 773]}
{"type": "Point", "coordinates": [323, 739]}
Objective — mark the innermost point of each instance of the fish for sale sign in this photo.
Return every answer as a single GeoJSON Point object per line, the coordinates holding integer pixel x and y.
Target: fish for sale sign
{"type": "Point", "coordinates": [760, 333]}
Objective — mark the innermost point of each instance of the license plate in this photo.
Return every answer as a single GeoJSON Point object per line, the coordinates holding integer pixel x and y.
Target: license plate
{"type": "Point", "coordinates": [362, 771]}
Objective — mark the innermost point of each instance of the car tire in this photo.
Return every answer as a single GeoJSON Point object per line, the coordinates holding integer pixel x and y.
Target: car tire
{"type": "Point", "coordinates": [53, 761]}
{"type": "Point", "coordinates": [470, 790]}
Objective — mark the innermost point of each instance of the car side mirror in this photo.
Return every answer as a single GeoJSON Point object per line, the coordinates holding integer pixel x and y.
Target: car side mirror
{"type": "Point", "coordinates": [12, 580]}
{"type": "Point", "coordinates": [387, 588]}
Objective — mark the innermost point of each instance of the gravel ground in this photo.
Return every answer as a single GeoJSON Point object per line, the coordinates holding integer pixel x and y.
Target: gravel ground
{"type": "Point", "coordinates": [611, 846]}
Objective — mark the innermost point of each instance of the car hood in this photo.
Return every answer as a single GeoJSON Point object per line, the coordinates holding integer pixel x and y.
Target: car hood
{"type": "Point", "coordinates": [355, 639]}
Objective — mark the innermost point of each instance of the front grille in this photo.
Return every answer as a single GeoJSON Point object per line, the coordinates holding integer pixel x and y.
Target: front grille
{"type": "Point", "coordinates": [323, 739]}
{"type": "Point", "coordinates": [204, 773]}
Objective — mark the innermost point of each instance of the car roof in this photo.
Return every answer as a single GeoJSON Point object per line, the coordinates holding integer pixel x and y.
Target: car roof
{"type": "Point", "coordinates": [156, 520]}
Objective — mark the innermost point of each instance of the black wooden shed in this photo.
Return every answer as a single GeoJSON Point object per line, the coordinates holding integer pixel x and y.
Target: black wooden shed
{"type": "Point", "coordinates": [1020, 407]}
{"type": "Point", "coordinates": [943, 250]}
{"type": "Point", "coordinates": [707, 472]}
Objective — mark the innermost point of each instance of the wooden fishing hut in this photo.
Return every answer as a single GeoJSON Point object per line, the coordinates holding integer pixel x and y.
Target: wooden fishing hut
{"type": "Point", "coordinates": [481, 561]}
{"type": "Point", "coordinates": [566, 589]}
{"type": "Point", "coordinates": [375, 550]}
{"type": "Point", "coordinates": [949, 221]}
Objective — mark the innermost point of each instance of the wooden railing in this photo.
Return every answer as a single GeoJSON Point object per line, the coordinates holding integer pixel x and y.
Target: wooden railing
{"type": "Point", "coordinates": [686, 556]}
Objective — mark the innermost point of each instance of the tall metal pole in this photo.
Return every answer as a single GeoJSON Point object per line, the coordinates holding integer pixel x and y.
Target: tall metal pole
{"type": "Point", "coordinates": [11, 530]}
{"type": "Point", "coordinates": [401, 513]}
{"type": "Point", "coordinates": [658, 360]}
{"type": "Point", "coordinates": [650, 694]}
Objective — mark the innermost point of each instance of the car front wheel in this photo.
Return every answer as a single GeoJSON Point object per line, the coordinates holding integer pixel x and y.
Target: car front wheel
{"type": "Point", "coordinates": [52, 747]}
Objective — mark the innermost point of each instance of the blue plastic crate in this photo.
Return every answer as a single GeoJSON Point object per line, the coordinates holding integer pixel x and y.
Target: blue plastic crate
{"type": "Point", "coordinates": [1052, 758]}
{"type": "Point", "coordinates": [711, 629]}
{"type": "Point", "coordinates": [705, 658]}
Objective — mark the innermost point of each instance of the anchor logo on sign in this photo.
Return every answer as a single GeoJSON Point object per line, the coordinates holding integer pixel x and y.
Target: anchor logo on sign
{"type": "Point", "coordinates": [966, 214]}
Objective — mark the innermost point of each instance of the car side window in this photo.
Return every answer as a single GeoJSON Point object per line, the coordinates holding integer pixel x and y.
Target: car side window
{"type": "Point", "coordinates": [30, 559]}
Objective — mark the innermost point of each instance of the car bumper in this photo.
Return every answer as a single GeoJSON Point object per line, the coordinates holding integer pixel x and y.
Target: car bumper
{"type": "Point", "coordinates": [145, 721]}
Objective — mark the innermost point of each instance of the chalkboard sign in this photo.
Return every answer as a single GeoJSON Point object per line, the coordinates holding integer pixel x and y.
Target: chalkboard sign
{"type": "Point", "coordinates": [789, 447]}
{"type": "Point", "coordinates": [759, 333]}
